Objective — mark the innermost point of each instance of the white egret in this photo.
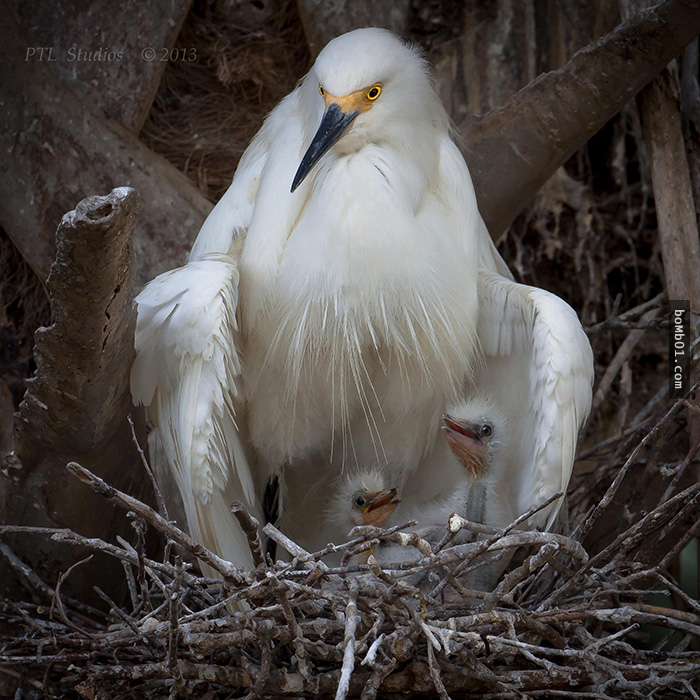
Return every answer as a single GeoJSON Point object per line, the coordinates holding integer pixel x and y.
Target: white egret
{"type": "Point", "coordinates": [538, 373]}
{"type": "Point", "coordinates": [329, 309]}
{"type": "Point", "coordinates": [478, 437]}
{"type": "Point", "coordinates": [532, 391]}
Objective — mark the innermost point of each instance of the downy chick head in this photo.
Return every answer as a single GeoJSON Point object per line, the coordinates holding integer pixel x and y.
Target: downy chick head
{"type": "Point", "coordinates": [363, 498]}
{"type": "Point", "coordinates": [476, 432]}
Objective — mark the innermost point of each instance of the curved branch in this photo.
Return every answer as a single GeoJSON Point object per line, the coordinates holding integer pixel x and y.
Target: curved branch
{"type": "Point", "coordinates": [512, 151]}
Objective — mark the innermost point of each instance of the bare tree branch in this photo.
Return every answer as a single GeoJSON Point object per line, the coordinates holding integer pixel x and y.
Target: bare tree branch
{"type": "Point", "coordinates": [513, 150]}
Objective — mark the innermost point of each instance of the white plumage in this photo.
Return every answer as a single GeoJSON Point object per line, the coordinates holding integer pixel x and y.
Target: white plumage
{"type": "Point", "coordinates": [538, 370]}
{"type": "Point", "coordinates": [358, 314]}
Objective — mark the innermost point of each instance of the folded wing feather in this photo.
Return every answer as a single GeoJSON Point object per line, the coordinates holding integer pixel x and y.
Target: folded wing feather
{"type": "Point", "coordinates": [187, 373]}
{"type": "Point", "coordinates": [533, 340]}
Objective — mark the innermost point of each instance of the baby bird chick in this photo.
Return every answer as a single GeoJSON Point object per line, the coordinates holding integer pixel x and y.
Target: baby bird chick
{"type": "Point", "coordinates": [475, 430]}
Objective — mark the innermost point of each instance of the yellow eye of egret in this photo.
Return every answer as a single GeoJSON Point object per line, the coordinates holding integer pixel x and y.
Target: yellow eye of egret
{"type": "Point", "coordinates": [374, 92]}
{"type": "Point", "coordinates": [321, 90]}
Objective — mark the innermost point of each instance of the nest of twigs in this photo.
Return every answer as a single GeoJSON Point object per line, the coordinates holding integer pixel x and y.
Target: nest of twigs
{"type": "Point", "coordinates": [569, 617]}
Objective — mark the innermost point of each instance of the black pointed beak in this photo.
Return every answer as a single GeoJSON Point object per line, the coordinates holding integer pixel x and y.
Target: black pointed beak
{"type": "Point", "coordinates": [333, 126]}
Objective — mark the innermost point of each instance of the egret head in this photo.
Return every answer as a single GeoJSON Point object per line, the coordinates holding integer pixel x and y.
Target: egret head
{"type": "Point", "coordinates": [364, 87]}
{"type": "Point", "coordinates": [476, 432]}
{"type": "Point", "coordinates": [363, 498]}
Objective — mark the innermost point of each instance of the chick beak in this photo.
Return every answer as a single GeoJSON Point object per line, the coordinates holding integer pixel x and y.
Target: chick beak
{"type": "Point", "coordinates": [464, 441]}
{"type": "Point", "coordinates": [452, 426]}
{"type": "Point", "coordinates": [380, 507]}
{"type": "Point", "coordinates": [333, 126]}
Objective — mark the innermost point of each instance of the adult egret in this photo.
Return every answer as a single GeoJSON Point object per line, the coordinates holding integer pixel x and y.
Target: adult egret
{"type": "Point", "coordinates": [329, 309]}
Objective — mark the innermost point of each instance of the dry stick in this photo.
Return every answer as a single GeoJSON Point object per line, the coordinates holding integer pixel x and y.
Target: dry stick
{"type": "Point", "coordinates": [680, 470]}
{"type": "Point", "coordinates": [621, 356]}
{"type": "Point", "coordinates": [251, 529]}
{"type": "Point", "coordinates": [614, 546]}
{"type": "Point", "coordinates": [122, 615]}
{"type": "Point", "coordinates": [263, 676]}
{"type": "Point", "coordinates": [27, 573]}
{"type": "Point", "coordinates": [156, 489]}
{"type": "Point", "coordinates": [377, 533]}
{"type": "Point", "coordinates": [94, 543]}
{"type": "Point", "coordinates": [351, 621]}
{"type": "Point", "coordinates": [456, 523]}
{"type": "Point", "coordinates": [374, 682]}
{"type": "Point", "coordinates": [225, 568]}
{"type": "Point", "coordinates": [294, 628]}
{"type": "Point", "coordinates": [679, 546]}
{"type": "Point", "coordinates": [435, 673]}
{"type": "Point", "coordinates": [173, 630]}
{"type": "Point", "coordinates": [638, 422]}
{"type": "Point", "coordinates": [59, 602]}
{"type": "Point", "coordinates": [131, 585]}
{"type": "Point", "coordinates": [627, 315]}
{"type": "Point", "coordinates": [288, 545]}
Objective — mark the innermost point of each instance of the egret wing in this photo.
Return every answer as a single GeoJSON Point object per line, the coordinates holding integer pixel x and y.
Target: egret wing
{"type": "Point", "coordinates": [539, 362]}
{"type": "Point", "coordinates": [187, 374]}
{"type": "Point", "coordinates": [233, 212]}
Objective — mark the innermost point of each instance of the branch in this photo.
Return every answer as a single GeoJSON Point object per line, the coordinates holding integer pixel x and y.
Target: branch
{"type": "Point", "coordinates": [512, 151]}
{"type": "Point", "coordinates": [76, 404]}
{"type": "Point", "coordinates": [129, 503]}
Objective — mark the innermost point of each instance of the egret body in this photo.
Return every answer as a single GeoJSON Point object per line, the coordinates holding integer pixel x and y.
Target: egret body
{"type": "Point", "coordinates": [330, 306]}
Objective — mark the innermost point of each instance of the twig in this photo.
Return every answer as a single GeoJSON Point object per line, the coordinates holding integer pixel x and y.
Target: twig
{"type": "Point", "coordinates": [250, 527]}
{"type": "Point", "coordinates": [162, 507]}
{"type": "Point", "coordinates": [582, 530]}
{"type": "Point", "coordinates": [226, 569]}
{"type": "Point", "coordinates": [351, 622]}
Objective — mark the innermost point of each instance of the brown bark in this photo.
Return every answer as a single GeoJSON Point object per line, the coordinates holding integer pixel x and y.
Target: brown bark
{"type": "Point", "coordinates": [62, 149]}
{"type": "Point", "coordinates": [76, 404]}
{"type": "Point", "coordinates": [96, 49]}
{"type": "Point", "coordinates": [513, 150]}
{"type": "Point", "coordinates": [659, 108]}
{"type": "Point", "coordinates": [504, 45]}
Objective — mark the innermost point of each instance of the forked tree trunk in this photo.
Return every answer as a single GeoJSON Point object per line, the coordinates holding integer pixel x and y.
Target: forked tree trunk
{"type": "Point", "coordinates": [75, 407]}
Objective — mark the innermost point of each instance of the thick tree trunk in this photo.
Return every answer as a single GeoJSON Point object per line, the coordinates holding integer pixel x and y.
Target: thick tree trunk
{"type": "Point", "coordinates": [60, 149]}
{"type": "Point", "coordinates": [504, 45]}
{"type": "Point", "coordinates": [97, 49]}
{"type": "Point", "coordinates": [323, 19]}
{"type": "Point", "coordinates": [76, 405]}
